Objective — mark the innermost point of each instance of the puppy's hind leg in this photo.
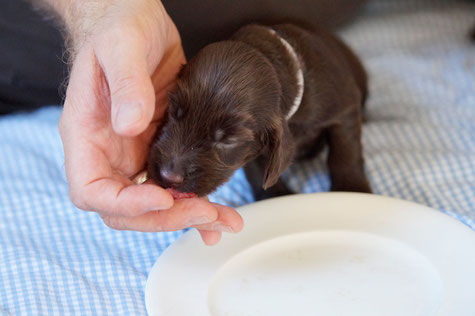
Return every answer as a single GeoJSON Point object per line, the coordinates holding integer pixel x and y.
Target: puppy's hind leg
{"type": "Point", "coordinates": [345, 159]}
{"type": "Point", "coordinates": [255, 173]}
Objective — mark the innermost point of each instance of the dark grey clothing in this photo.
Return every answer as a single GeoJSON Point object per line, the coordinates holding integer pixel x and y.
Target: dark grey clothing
{"type": "Point", "coordinates": [31, 70]}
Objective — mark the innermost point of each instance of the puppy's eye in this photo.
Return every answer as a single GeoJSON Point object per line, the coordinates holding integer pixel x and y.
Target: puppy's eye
{"type": "Point", "coordinates": [229, 143]}
{"type": "Point", "coordinates": [225, 142]}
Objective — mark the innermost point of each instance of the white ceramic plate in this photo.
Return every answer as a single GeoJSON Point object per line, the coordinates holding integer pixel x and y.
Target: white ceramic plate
{"type": "Point", "coordinates": [322, 254]}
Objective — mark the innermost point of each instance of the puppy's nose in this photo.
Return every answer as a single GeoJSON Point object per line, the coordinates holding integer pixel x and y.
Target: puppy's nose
{"type": "Point", "coordinates": [171, 177]}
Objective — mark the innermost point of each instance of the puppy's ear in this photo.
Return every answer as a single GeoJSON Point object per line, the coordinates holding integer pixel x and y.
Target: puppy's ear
{"type": "Point", "coordinates": [280, 152]}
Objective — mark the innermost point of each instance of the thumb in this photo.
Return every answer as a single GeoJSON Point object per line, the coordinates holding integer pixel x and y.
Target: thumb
{"type": "Point", "coordinates": [132, 94]}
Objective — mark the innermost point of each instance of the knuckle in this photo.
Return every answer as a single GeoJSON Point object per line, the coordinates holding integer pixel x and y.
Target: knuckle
{"type": "Point", "coordinates": [122, 80]}
{"type": "Point", "coordinates": [77, 199]}
{"type": "Point", "coordinates": [122, 83]}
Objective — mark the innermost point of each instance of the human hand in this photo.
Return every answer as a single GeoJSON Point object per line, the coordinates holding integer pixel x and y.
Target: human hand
{"type": "Point", "coordinates": [126, 58]}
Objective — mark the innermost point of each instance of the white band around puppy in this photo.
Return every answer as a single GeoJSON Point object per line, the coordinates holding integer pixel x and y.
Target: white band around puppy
{"type": "Point", "coordinates": [299, 75]}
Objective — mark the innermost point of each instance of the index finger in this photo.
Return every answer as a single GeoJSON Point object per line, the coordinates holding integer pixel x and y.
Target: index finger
{"type": "Point", "coordinates": [113, 198]}
{"type": "Point", "coordinates": [183, 214]}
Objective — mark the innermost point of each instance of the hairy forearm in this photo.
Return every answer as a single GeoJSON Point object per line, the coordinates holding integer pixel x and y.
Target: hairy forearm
{"type": "Point", "coordinates": [83, 18]}
{"type": "Point", "coordinates": [76, 16]}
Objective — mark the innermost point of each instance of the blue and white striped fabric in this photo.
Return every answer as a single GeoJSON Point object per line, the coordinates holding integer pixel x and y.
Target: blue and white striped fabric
{"type": "Point", "coordinates": [419, 145]}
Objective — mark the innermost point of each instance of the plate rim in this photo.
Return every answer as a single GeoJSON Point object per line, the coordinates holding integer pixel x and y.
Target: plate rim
{"type": "Point", "coordinates": [245, 210]}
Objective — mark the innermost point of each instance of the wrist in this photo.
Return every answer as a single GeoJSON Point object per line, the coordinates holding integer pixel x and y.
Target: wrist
{"type": "Point", "coordinates": [80, 17]}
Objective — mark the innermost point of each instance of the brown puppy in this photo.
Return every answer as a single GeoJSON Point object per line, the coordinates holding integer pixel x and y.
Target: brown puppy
{"type": "Point", "coordinates": [260, 100]}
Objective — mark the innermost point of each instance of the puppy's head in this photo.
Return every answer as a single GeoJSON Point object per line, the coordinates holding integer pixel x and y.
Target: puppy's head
{"type": "Point", "coordinates": [216, 118]}
{"type": "Point", "coordinates": [194, 156]}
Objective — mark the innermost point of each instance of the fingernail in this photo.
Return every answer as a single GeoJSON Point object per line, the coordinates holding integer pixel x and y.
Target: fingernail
{"type": "Point", "coordinates": [199, 220]}
{"type": "Point", "coordinates": [128, 115]}
{"type": "Point", "coordinates": [222, 228]}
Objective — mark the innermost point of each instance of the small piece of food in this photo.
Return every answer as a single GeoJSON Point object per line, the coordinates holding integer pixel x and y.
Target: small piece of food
{"type": "Point", "coordinates": [177, 195]}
